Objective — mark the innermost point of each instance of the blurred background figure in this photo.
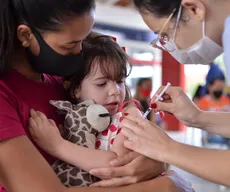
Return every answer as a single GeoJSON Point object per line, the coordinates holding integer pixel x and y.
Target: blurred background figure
{"type": "Point", "coordinates": [214, 72]}
{"type": "Point", "coordinates": [143, 94]}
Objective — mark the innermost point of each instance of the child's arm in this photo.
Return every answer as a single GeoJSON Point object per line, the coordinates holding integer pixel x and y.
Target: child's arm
{"type": "Point", "coordinates": [83, 157]}
{"type": "Point", "coordinates": [118, 145]}
{"type": "Point", "coordinates": [46, 134]}
{"type": "Point", "coordinates": [119, 149]}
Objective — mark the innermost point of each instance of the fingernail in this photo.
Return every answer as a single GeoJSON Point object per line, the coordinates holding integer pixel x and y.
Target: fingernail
{"type": "Point", "coordinates": [91, 172]}
{"type": "Point", "coordinates": [162, 174]}
{"type": "Point", "coordinates": [162, 114]}
{"type": "Point", "coordinates": [153, 105]}
{"type": "Point", "coordinates": [126, 114]}
{"type": "Point", "coordinates": [113, 162]}
{"type": "Point", "coordinates": [121, 119]}
{"type": "Point", "coordinates": [119, 130]}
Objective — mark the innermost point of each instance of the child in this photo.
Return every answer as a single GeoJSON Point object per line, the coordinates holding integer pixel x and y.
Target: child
{"type": "Point", "coordinates": [103, 81]}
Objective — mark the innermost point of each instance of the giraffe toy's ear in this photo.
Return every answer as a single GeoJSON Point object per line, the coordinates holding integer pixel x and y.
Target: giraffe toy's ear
{"type": "Point", "coordinates": [62, 105]}
{"type": "Point", "coordinates": [98, 117]}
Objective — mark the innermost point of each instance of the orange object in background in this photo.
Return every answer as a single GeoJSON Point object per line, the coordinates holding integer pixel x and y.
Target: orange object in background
{"type": "Point", "coordinates": [173, 72]}
{"type": "Point", "coordinates": [123, 3]}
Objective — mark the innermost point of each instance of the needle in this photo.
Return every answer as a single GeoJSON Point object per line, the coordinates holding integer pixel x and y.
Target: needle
{"type": "Point", "coordinates": [159, 97]}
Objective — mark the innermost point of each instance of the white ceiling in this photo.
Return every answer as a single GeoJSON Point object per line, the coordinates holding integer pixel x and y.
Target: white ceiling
{"type": "Point", "coordinates": [128, 17]}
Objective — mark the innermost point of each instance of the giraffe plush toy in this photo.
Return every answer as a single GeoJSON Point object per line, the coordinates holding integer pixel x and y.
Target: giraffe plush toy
{"type": "Point", "coordinates": [82, 124]}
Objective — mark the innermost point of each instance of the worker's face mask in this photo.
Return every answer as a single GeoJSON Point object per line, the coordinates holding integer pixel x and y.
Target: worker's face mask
{"type": "Point", "coordinates": [145, 92]}
{"type": "Point", "coordinates": [50, 62]}
{"type": "Point", "coordinates": [218, 94]}
{"type": "Point", "coordinates": [203, 52]}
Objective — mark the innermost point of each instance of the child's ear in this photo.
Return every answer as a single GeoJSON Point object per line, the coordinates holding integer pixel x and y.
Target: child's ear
{"type": "Point", "coordinates": [77, 93]}
{"type": "Point", "coordinates": [66, 85]}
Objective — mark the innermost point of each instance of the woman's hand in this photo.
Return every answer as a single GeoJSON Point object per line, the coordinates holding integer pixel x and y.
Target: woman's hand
{"type": "Point", "coordinates": [44, 132]}
{"type": "Point", "coordinates": [146, 138]}
{"type": "Point", "coordinates": [176, 102]}
{"type": "Point", "coordinates": [129, 169]}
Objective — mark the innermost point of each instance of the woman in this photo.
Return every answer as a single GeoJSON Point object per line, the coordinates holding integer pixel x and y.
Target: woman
{"type": "Point", "coordinates": [38, 39]}
{"type": "Point", "coordinates": [191, 30]}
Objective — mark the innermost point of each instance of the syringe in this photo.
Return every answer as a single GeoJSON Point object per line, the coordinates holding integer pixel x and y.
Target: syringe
{"type": "Point", "coordinates": [159, 97]}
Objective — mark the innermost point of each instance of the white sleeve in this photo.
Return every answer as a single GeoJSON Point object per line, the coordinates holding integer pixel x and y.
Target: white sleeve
{"type": "Point", "coordinates": [226, 46]}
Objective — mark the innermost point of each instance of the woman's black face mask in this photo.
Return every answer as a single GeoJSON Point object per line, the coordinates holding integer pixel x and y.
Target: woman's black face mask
{"type": "Point", "coordinates": [50, 62]}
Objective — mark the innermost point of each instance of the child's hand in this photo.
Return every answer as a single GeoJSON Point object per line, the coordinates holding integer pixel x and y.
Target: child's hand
{"type": "Point", "coordinates": [44, 132]}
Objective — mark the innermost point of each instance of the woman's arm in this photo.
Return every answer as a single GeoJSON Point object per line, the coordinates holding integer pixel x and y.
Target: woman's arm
{"type": "Point", "coordinates": [149, 140]}
{"type": "Point", "coordinates": [176, 102]}
{"type": "Point", "coordinates": [214, 122]}
{"type": "Point", "coordinates": [23, 169]}
{"type": "Point", "coordinates": [209, 164]}
{"type": "Point", "coordinates": [161, 184]}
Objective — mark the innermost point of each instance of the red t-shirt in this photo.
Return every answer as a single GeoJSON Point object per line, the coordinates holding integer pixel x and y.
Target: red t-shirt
{"type": "Point", "coordinates": [18, 95]}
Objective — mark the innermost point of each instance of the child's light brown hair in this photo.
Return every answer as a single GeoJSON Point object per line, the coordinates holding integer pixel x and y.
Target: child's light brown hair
{"type": "Point", "coordinates": [103, 51]}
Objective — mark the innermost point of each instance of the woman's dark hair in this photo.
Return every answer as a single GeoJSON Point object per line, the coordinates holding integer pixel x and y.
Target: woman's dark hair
{"type": "Point", "coordinates": [198, 93]}
{"type": "Point", "coordinates": [141, 81]}
{"type": "Point", "coordinates": [212, 81]}
{"type": "Point", "coordinates": [38, 15]}
{"type": "Point", "coordinates": [103, 51]}
{"type": "Point", "coordinates": [159, 8]}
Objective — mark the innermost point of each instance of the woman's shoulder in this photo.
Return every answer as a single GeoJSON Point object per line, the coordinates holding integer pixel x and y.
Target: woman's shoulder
{"type": "Point", "coordinates": [6, 93]}
{"type": "Point", "coordinates": [10, 125]}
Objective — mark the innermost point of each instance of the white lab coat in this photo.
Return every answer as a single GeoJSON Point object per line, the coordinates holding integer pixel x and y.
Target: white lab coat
{"type": "Point", "coordinates": [226, 46]}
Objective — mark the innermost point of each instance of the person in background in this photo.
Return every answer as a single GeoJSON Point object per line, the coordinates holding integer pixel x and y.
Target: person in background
{"type": "Point", "coordinates": [214, 72]}
{"type": "Point", "coordinates": [143, 93]}
{"type": "Point", "coordinates": [215, 100]}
